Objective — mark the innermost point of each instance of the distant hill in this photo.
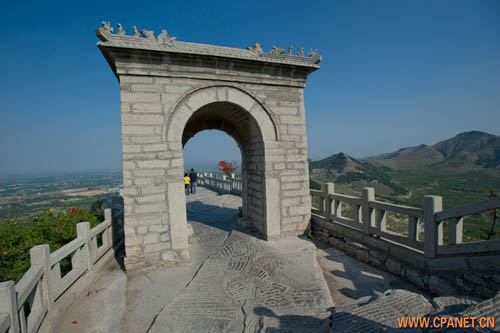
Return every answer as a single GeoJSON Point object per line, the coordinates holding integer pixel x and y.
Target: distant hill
{"type": "Point", "coordinates": [459, 169]}
{"type": "Point", "coordinates": [396, 174]}
{"type": "Point", "coordinates": [468, 151]}
{"type": "Point", "coordinates": [344, 169]}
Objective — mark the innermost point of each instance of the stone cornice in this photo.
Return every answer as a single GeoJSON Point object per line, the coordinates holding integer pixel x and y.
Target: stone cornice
{"type": "Point", "coordinates": [146, 40]}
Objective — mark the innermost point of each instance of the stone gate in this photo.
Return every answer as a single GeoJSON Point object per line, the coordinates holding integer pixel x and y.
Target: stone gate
{"type": "Point", "coordinates": [171, 90]}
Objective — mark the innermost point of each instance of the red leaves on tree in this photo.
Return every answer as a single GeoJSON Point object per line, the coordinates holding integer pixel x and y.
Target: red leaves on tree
{"type": "Point", "coordinates": [226, 167]}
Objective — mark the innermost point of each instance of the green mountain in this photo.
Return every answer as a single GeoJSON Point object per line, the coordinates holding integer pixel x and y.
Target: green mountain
{"type": "Point", "coordinates": [468, 151]}
{"type": "Point", "coordinates": [459, 167]}
{"type": "Point", "coordinates": [344, 169]}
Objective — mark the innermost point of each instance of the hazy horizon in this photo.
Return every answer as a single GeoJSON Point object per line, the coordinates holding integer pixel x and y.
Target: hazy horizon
{"type": "Point", "coordinates": [394, 74]}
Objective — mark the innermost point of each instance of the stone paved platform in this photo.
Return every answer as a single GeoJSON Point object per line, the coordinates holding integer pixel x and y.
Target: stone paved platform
{"type": "Point", "coordinates": [245, 284]}
{"type": "Point", "coordinates": [237, 282]}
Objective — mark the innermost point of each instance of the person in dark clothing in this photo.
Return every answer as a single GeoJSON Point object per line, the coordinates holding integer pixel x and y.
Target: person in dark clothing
{"type": "Point", "coordinates": [193, 181]}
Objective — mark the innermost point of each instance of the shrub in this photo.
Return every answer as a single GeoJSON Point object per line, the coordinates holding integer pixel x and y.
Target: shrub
{"type": "Point", "coordinates": [17, 238]}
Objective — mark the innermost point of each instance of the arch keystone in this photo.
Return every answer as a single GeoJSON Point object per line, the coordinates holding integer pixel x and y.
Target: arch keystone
{"type": "Point", "coordinates": [201, 97]}
{"type": "Point", "coordinates": [240, 98]}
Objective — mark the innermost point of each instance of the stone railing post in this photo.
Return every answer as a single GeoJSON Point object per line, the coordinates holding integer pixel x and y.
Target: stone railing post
{"type": "Point", "coordinates": [231, 185]}
{"type": "Point", "coordinates": [456, 230]}
{"type": "Point", "coordinates": [368, 213]}
{"type": "Point", "coordinates": [322, 205]}
{"type": "Point", "coordinates": [8, 304]}
{"type": "Point", "coordinates": [87, 257]}
{"type": "Point", "coordinates": [329, 189]}
{"type": "Point", "coordinates": [108, 217]}
{"type": "Point", "coordinates": [433, 234]}
{"type": "Point", "coordinates": [40, 255]}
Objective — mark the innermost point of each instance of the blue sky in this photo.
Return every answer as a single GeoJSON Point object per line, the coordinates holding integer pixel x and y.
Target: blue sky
{"type": "Point", "coordinates": [394, 73]}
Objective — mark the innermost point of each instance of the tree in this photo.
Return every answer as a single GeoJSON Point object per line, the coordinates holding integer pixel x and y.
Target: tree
{"type": "Point", "coordinates": [228, 167]}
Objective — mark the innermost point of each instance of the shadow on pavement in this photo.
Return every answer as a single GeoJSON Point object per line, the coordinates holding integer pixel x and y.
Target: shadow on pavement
{"type": "Point", "coordinates": [222, 218]}
{"type": "Point", "coordinates": [338, 322]}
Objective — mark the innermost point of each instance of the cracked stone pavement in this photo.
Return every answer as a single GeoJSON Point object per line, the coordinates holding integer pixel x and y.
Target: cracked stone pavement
{"type": "Point", "coordinates": [245, 284]}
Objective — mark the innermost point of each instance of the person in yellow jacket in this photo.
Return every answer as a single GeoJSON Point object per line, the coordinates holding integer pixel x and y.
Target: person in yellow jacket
{"type": "Point", "coordinates": [186, 183]}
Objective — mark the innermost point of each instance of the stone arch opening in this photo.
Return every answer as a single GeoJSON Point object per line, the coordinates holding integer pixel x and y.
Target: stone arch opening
{"type": "Point", "coordinates": [242, 117]}
{"type": "Point", "coordinates": [239, 124]}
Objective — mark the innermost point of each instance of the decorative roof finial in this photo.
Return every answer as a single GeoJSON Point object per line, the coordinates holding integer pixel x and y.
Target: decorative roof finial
{"type": "Point", "coordinates": [121, 32]}
{"type": "Point", "coordinates": [136, 32]}
{"type": "Point", "coordinates": [163, 38]}
{"type": "Point", "coordinates": [256, 48]}
{"type": "Point", "coordinates": [301, 52]}
{"type": "Point", "coordinates": [276, 50]}
{"type": "Point", "coordinates": [312, 52]}
{"type": "Point", "coordinates": [289, 51]}
{"type": "Point", "coordinates": [107, 26]}
{"type": "Point", "coordinates": [148, 34]}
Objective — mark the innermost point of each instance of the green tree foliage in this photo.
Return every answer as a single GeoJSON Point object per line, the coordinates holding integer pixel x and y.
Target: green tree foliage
{"type": "Point", "coordinates": [17, 238]}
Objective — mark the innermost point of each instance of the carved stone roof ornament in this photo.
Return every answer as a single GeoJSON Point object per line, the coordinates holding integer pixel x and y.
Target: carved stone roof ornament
{"type": "Point", "coordinates": [146, 40]}
{"type": "Point", "coordinates": [149, 34]}
{"type": "Point", "coordinates": [256, 48]}
{"type": "Point", "coordinates": [276, 50]}
{"type": "Point", "coordinates": [164, 38]}
{"type": "Point", "coordinates": [136, 32]}
{"type": "Point", "coordinates": [121, 32]}
{"type": "Point", "coordinates": [107, 26]}
{"type": "Point", "coordinates": [312, 53]}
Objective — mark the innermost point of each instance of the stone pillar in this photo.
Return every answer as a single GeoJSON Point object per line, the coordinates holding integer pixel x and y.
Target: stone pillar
{"type": "Point", "coordinates": [8, 304]}
{"type": "Point", "coordinates": [433, 234]}
{"type": "Point", "coordinates": [368, 213]}
{"type": "Point", "coordinates": [40, 255]}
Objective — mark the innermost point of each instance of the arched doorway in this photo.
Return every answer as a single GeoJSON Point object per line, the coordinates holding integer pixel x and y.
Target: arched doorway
{"type": "Point", "coordinates": [235, 112]}
{"type": "Point", "coordinates": [170, 90]}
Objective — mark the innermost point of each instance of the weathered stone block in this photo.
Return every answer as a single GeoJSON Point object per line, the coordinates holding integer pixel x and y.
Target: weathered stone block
{"type": "Point", "coordinates": [157, 247]}
{"type": "Point", "coordinates": [150, 208]}
{"type": "Point", "coordinates": [414, 277]}
{"type": "Point", "coordinates": [151, 238]}
{"type": "Point", "coordinates": [146, 108]}
{"type": "Point", "coordinates": [393, 266]}
{"type": "Point", "coordinates": [134, 97]}
{"type": "Point", "coordinates": [137, 130]}
{"type": "Point", "coordinates": [440, 287]}
{"type": "Point", "coordinates": [142, 119]}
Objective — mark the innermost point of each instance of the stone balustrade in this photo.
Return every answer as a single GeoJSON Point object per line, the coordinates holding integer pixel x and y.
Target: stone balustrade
{"type": "Point", "coordinates": [421, 255]}
{"type": "Point", "coordinates": [43, 286]}
{"type": "Point", "coordinates": [221, 184]}
{"type": "Point", "coordinates": [369, 217]}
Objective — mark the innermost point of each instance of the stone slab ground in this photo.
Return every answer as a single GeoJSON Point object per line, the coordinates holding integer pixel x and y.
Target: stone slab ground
{"type": "Point", "coordinates": [237, 282]}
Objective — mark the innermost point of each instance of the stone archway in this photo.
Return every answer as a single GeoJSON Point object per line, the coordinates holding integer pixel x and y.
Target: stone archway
{"type": "Point", "coordinates": [241, 116]}
{"type": "Point", "coordinates": [171, 90]}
